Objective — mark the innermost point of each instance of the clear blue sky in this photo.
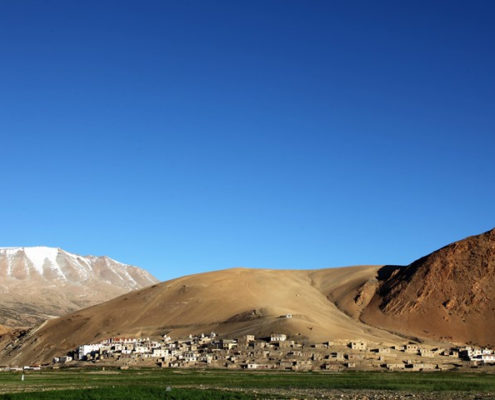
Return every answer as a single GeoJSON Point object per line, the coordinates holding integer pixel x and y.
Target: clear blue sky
{"type": "Point", "coordinates": [187, 136]}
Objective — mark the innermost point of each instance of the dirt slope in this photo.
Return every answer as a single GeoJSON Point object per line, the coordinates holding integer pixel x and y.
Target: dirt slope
{"type": "Point", "coordinates": [229, 302]}
{"type": "Point", "coordinates": [447, 295]}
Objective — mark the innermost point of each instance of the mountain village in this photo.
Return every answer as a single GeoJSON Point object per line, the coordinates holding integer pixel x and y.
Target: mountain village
{"type": "Point", "coordinates": [274, 352]}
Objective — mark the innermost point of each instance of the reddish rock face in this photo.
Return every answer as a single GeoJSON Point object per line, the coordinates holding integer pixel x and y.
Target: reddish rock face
{"type": "Point", "coordinates": [447, 295]}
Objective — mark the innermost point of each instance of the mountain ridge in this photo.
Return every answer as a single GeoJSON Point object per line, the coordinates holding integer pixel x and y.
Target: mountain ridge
{"type": "Point", "coordinates": [40, 282]}
{"type": "Point", "coordinates": [448, 294]}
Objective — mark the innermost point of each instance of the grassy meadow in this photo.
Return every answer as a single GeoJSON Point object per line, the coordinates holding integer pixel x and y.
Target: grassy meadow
{"type": "Point", "coordinates": [153, 384]}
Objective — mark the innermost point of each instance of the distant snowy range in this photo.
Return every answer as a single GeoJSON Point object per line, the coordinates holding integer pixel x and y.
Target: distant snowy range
{"type": "Point", "coordinates": [37, 283]}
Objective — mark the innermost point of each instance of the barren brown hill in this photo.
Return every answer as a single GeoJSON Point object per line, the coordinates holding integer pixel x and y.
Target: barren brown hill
{"type": "Point", "coordinates": [230, 302]}
{"type": "Point", "coordinates": [447, 295]}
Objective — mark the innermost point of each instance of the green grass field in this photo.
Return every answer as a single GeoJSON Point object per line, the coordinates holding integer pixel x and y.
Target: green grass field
{"type": "Point", "coordinates": [129, 393]}
{"type": "Point", "coordinates": [221, 384]}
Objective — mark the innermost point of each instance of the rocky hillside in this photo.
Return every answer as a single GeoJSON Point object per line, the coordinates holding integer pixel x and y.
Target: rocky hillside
{"type": "Point", "coordinates": [447, 295]}
{"type": "Point", "coordinates": [40, 282]}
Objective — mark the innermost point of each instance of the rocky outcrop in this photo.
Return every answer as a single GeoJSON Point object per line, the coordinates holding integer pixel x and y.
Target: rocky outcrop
{"type": "Point", "coordinates": [448, 294]}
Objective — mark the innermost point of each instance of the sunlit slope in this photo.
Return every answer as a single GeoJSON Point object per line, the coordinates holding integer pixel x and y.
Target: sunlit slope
{"type": "Point", "coordinates": [229, 302]}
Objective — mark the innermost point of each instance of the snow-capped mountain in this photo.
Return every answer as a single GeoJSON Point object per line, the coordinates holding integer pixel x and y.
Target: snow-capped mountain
{"type": "Point", "coordinates": [56, 265]}
{"type": "Point", "coordinates": [39, 282]}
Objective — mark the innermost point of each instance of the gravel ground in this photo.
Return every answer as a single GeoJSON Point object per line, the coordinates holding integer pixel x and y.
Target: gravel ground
{"type": "Point", "coordinates": [311, 394]}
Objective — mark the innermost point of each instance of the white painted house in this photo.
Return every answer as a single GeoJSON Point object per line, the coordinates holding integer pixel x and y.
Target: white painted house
{"type": "Point", "coordinates": [86, 349]}
{"type": "Point", "coordinates": [278, 337]}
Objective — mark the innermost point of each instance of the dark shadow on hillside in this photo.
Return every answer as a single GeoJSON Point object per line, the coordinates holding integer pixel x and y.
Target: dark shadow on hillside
{"type": "Point", "coordinates": [387, 271]}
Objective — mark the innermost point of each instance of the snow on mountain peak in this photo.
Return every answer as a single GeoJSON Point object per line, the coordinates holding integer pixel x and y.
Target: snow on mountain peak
{"type": "Point", "coordinates": [37, 255]}
{"type": "Point", "coordinates": [54, 263]}
{"type": "Point", "coordinates": [40, 281]}
{"type": "Point", "coordinates": [40, 255]}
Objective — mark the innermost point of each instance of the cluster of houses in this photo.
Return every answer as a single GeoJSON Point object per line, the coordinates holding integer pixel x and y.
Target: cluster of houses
{"type": "Point", "coordinates": [274, 352]}
{"type": "Point", "coordinates": [485, 356]}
